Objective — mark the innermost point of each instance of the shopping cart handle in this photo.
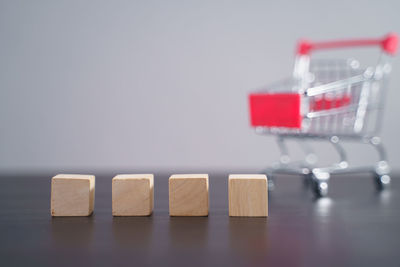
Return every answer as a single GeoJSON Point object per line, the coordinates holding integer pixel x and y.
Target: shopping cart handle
{"type": "Point", "coordinates": [387, 43]}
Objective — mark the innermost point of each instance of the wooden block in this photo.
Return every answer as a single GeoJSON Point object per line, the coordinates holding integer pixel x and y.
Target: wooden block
{"type": "Point", "coordinates": [248, 195]}
{"type": "Point", "coordinates": [72, 195]}
{"type": "Point", "coordinates": [133, 195]}
{"type": "Point", "coordinates": [188, 195]}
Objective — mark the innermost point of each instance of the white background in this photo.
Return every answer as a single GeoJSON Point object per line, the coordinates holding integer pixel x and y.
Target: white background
{"type": "Point", "coordinates": [98, 85]}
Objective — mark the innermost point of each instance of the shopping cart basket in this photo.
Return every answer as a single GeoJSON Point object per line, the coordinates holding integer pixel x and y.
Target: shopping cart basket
{"type": "Point", "coordinates": [331, 100]}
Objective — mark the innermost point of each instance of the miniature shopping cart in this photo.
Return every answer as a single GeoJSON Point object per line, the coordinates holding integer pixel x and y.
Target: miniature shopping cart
{"type": "Point", "coordinates": [330, 100]}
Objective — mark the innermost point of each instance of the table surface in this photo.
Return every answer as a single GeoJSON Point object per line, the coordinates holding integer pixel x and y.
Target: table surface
{"type": "Point", "coordinates": [354, 226]}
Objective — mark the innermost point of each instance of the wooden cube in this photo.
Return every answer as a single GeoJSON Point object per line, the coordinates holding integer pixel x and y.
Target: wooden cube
{"type": "Point", "coordinates": [72, 195]}
{"type": "Point", "coordinates": [248, 195]}
{"type": "Point", "coordinates": [188, 195]}
{"type": "Point", "coordinates": [133, 195]}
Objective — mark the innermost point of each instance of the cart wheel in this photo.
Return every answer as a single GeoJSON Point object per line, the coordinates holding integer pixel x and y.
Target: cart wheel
{"type": "Point", "coordinates": [320, 188]}
{"type": "Point", "coordinates": [381, 181]}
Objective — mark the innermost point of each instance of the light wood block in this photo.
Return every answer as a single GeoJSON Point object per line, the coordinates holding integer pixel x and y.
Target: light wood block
{"type": "Point", "coordinates": [133, 195]}
{"type": "Point", "coordinates": [72, 195]}
{"type": "Point", "coordinates": [248, 195]}
{"type": "Point", "coordinates": [188, 195]}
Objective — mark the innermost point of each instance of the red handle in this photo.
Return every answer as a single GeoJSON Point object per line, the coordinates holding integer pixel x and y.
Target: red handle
{"type": "Point", "coordinates": [387, 43]}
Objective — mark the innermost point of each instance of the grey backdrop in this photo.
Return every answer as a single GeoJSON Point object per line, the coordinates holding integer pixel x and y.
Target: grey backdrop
{"type": "Point", "coordinates": [96, 85]}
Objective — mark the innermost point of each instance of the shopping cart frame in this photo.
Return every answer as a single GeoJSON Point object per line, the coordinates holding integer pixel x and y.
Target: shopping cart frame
{"type": "Point", "coordinates": [372, 77]}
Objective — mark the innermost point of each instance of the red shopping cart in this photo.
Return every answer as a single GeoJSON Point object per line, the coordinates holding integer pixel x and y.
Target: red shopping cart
{"type": "Point", "coordinates": [328, 99]}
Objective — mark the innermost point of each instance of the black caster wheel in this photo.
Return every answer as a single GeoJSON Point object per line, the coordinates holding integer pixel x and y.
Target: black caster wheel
{"type": "Point", "coordinates": [381, 181]}
{"type": "Point", "coordinates": [319, 188]}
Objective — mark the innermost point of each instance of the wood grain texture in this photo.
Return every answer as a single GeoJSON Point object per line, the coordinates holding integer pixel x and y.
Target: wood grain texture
{"type": "Point", "coordinates": [133, 195]}
{"type": "Point", "coordinates": [293, 238]}
{"type": "Point", "coordinates": [248, 195]}
{"type": "Point", "coordinates": [72, 195]}
{"type": "Point", "coordinates": [188, 195]}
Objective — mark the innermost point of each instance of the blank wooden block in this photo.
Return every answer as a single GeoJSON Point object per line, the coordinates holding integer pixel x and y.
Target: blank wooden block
{"type": "Point", "coordinates": [133, 195]}
{"type": "Point", "coordinates": [248, 195]}
{"type": "Point", "coordinates": [188, 195]}
{"type": "Point", "coordinates": [72, 195]}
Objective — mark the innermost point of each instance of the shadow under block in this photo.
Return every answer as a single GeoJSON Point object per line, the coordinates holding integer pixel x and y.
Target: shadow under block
{"type": "Point", "coordinates": [188, 195]}
{"type": "Point", "coordinates": [248, 195]}
{"type": "Point", "coordinates": [72, 195]}
{"type": "Point", "coordinates": [133, 195]}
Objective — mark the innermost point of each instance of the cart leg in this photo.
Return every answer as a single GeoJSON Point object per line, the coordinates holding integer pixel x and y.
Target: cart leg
{"type": "Point", "coordinates": [382, 168]}
{"type": "Point", "coordinates": [284, 158]}
{"type": "Point", "coordinates": [311, 158]}
{"type": "Point", "coordinates": [341, 152]}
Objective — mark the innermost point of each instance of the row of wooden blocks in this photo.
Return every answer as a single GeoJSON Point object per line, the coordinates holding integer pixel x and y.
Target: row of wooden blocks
{"type": "Point", "coordinates": [133, 195]}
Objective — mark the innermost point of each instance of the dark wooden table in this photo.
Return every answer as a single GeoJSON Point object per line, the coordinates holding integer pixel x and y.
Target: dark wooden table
{"type": "Point", "coordinates": [355, 226]}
